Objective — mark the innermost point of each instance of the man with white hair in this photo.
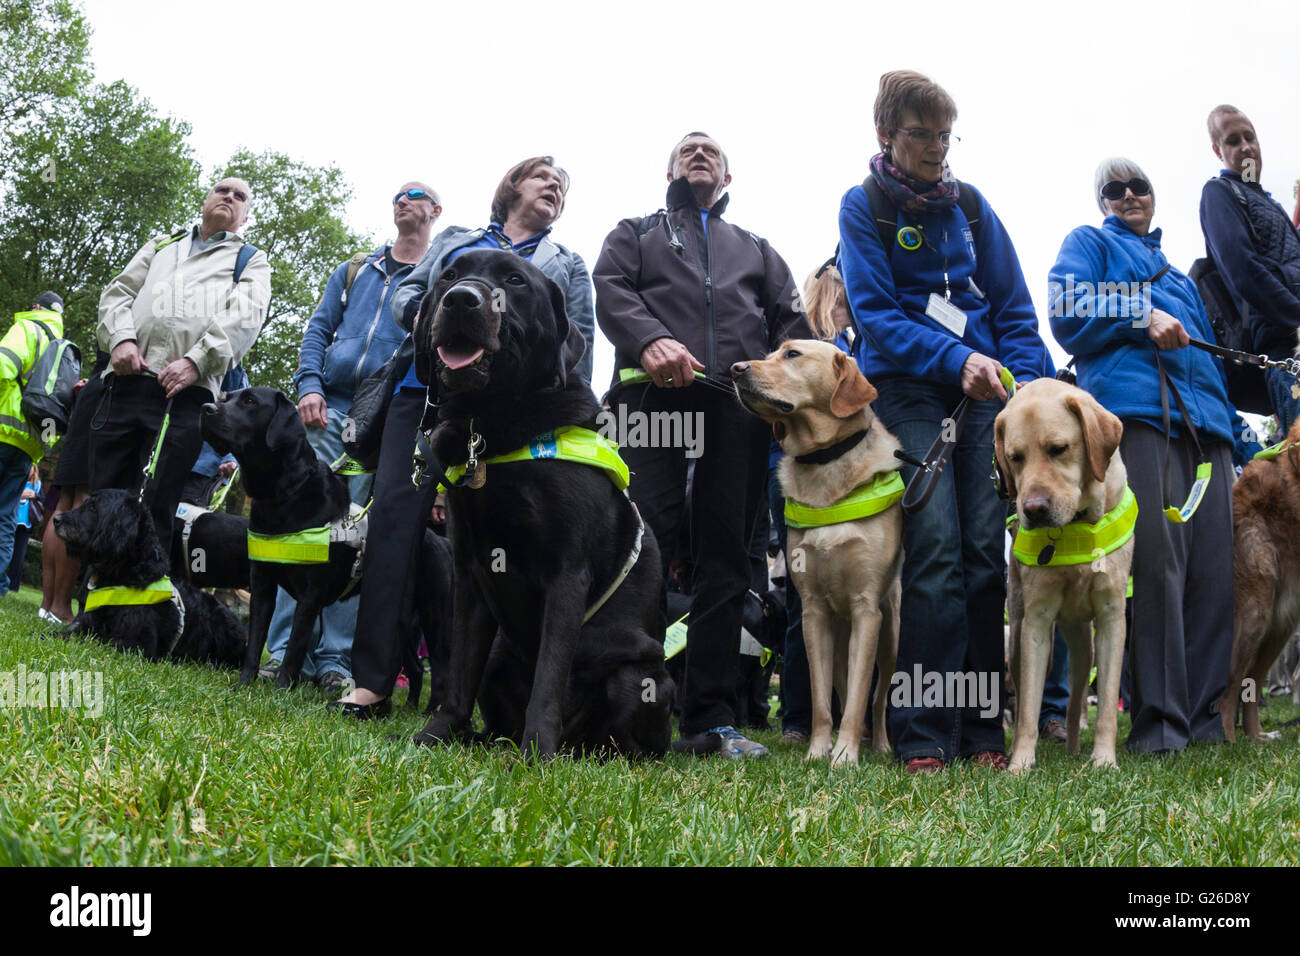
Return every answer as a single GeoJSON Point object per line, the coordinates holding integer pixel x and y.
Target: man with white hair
{"type": "Point", "coordinates": [1252, 241]}
{"type": "Point", "coordinates": [184, 311]}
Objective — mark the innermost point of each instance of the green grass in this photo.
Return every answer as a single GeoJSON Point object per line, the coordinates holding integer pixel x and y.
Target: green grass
{"type": "Point", "coordinates": [181, 769]}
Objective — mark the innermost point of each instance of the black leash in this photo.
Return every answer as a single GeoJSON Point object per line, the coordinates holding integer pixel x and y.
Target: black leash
{"type": "Point", "coordinates": [923, 484]}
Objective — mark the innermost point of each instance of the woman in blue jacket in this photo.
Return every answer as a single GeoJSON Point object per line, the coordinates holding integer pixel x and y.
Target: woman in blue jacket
{"type": "Point", "coordinates": [1117, 304]}
{"type": "Point", "coordinates": [942, 308]}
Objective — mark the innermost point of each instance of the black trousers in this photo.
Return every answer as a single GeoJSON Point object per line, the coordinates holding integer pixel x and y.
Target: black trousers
{"type": "Point", "coordinates": [386, 618]}
{"type": "Point", "coordinates": [123, 429]}
{"type": "Point", "coordinates": [729, 482]}
{"type": "Point", "coordinates": [1180, 640]}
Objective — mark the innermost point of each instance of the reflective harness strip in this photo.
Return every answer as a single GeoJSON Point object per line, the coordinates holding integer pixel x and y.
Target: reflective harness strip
{"type": "Point", "coordinates": [877, 495]}
{"type": "Point", "coordinates": [1079, 542]}
{"type": "Point", "coordinates": [571, 443]}
{"type": "Point", "coordinates": [158, 592]}
{"type": "Point", "coordinates": [308, 546]}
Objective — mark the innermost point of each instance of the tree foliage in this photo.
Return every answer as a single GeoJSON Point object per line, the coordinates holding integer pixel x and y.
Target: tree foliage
{"type": "Point", "coordinates": [296, 217]}
{"type": "Point", "coordinates": [88, 187]}
{"type": "Point", "coordinates": [44, 57]}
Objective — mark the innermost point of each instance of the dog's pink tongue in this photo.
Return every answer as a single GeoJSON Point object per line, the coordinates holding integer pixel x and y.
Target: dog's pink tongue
{"type": "Point", "coordinates": [454, 358]}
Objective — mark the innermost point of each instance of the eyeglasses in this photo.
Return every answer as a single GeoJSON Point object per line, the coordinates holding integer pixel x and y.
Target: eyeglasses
{"type": "Point", "coordinates": [1115, 189]}
{"type": "Point", "coordinates": [928, 137]}
{"type": "Point", "coordinates": [416, 194]}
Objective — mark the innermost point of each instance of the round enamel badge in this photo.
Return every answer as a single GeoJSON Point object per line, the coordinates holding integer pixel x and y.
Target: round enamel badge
{"type": "Point", "coordinates": [909, 237]}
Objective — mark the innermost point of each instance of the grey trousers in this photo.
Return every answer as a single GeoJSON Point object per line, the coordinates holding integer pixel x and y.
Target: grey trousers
{"type": "Point", "coordinates": [1180, 636]}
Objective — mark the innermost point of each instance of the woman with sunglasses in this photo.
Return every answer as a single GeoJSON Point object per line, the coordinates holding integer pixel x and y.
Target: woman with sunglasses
{"type": "Point", "coordinates": [937, 294]}
{"type": "Point", "coordinates": [1126, 314]}
{"type": "Point", "coordinates": [528, 200]}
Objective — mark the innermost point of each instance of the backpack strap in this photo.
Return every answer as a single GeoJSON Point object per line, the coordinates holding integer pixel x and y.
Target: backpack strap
{"type": "Point", "coordinates": [355, 265]}
{"type": "Point", "coordinates": [246, 252]}
{"type": "Point", "coordinates": [885, 213]}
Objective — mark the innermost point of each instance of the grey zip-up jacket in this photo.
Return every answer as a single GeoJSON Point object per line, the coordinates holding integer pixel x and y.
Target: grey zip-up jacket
{"type": "Point", "coordinates": [566, 269]}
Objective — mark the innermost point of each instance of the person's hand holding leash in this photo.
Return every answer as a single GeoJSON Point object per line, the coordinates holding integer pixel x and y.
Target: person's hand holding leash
{"type": "Point", "coordinates": [178, 375]}
{"type": "Point", "coordinates": [313, 411]}
{"type": "Point", "coordinates": [126, 359]}
{"type": "Point", "coordinates": [227, 468]}
{"type": "Point", "coordinates": [669, 363]}
{"type": "Point", "coordinates": [980, 378]}
{"type": "Point", "coordinates": [1166, 331]}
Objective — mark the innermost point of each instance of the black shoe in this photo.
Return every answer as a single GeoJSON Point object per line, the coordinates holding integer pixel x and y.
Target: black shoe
{"type": "Point", "coordinates": [361, 711]}
{"type": "Point", "coordinates": [698, 745]}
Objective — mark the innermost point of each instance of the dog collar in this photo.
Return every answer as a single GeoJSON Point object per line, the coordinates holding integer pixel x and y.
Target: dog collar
{"type": "Point", "coordinates": [826, 455]}
{"type": "Point", "coordinates": [1078, 542]}
{"type": "Point", "coordinates": [571, 443]}
{"type": "Point", "coordinates": [155, 593]}
{"type": "Point", "coordinates": [877, 495]}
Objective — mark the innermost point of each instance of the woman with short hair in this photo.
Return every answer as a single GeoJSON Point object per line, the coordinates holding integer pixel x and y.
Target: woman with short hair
{"type": "Point", "coordinates": [1118, 305]}
{"type": "Point", "coordinates": [527, 201]}
{"type": "Point", "coordinates": [942, 308]}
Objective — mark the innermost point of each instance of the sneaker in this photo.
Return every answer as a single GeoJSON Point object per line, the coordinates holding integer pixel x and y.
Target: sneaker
{"type": "Point", "coordinates": [736, 745]}
{"type": "Point", "coordinates": [332, 682]}
{"type": "Point", "coordinates": [52, 618]}
{"type": "Point", "coordinates": [1054, 730]}
{"type": "Point", "coordinates": [270, 670]}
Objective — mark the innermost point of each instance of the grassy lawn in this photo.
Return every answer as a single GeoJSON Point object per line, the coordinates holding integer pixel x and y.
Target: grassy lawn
{"type": "Point", "coordinates": [181, 769]}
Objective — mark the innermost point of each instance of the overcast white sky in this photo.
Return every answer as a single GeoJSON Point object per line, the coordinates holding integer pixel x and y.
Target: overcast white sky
{"type": "Point", "coordinates": [455, 93]}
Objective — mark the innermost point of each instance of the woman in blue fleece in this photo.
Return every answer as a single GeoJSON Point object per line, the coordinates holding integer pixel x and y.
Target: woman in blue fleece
{"type": "Point", "coordinates": [1116, 303]}
{"type": "Point", "coordinates": [941, 307]}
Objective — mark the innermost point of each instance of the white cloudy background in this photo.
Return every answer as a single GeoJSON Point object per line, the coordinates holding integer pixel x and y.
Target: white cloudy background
{"type": "Point", "coordinates": [456, 92]}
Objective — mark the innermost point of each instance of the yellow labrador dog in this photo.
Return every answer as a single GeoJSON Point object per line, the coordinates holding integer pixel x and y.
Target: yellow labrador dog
{"type": "Point", "coordinates": [845, 528]}
{"type": "Point", "coordinates": [1057, 450]}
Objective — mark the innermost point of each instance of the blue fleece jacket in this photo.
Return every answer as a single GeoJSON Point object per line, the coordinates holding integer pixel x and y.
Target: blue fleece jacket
{"type": "Point", "coordinates": [1100, 314]}
{"type": "Point", "coordinates": [343, 346]}
{"type": "Point", "coordinates": [889, 290]}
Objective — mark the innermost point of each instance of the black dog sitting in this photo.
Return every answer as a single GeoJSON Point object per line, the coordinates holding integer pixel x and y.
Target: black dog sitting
{"type": "Point", "coordinates": [214, 552]}
{"type": "Point", "coordinates": [291, 490]}
{"type": "Point", "coordinates": [537, 544]}
{"type": "Point", "coordinates": [131, 603]}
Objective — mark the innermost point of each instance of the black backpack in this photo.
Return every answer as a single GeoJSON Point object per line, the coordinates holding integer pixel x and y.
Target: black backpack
{"type": "Point", "coordinates": [1246, 386]}
{"type": "Point", "coordinates": [51, 381]}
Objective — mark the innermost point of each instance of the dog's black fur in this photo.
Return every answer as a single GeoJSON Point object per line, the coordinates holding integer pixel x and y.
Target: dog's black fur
{"type": "Point", "coordinates": [433, 598]}
{"type": "Point", "coordinates": [289, 489]}
{"type": "Point", "coordinates": [562, 528]}
{"type": "Point", "coordinates": [113, 533]}
{"type": "Point", "coordinates": [218, 551]}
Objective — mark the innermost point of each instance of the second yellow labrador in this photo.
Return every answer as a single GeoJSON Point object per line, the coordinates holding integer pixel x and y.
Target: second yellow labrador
{"type": "Point", "coordinates": [845, 528]}
{"type": "Point", "coordinates": [1058, 452]}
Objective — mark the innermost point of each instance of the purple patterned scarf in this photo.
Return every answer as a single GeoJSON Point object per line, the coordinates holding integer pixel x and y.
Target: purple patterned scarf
{"type": "Point", "coordinates": [912, 195]}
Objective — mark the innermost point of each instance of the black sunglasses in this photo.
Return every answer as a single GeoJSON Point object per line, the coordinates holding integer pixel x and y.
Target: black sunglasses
{"type": "Point", "coordinates": [1114, 190]}
{"type": "Point", "coordinates": [415, 194]}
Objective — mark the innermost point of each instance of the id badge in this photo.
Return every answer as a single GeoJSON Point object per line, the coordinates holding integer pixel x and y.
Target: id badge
{"type": "Point", "coordinates": [946, 314]}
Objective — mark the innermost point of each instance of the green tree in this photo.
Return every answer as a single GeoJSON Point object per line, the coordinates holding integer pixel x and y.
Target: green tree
{"type": "Point", "coordinates": [296, 217]}
{"type": "Point", "coordinates": [121, 174]}
{"type": "Point", "coordinates": [44, 52]}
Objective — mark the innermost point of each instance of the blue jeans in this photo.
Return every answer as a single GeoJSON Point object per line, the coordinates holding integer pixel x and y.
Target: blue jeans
{"type": "Point", "coordinates": [14, 467]}
{"type": "Point", "coordinates": [332, 649]}
{"type": "Point", "coordinates": [1056, 688]}
{"type": "Point", "coordinates": [796, 686]}
{"type": "Point", "coordinates": [1279, 394]}
{"type": "Point", "coordinates": [954, 580]}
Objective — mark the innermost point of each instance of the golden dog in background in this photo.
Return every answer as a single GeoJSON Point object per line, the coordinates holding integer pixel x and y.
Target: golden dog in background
{"type": "Point", "coordinates": [847, 572]}
{"type": "Point", "coordinates": [1058, 451]}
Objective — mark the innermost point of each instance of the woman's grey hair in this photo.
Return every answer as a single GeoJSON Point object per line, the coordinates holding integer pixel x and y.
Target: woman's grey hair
{"type": "Point", "coordinates": [1117, 167]}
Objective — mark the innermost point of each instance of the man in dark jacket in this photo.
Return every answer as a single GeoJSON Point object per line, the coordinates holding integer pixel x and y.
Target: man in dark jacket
{"type": "Point", "coordinates": [1257, 250]}
{"type": "Point", "coordinates": [682, 295]}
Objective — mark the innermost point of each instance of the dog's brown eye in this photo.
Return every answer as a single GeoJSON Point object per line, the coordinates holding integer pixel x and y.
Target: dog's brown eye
{"type": "Point", "coordinates": [793, 353]}
{"type": "Point", "coordinates": [1016, 459]}
{"type": "Point", "coordinates": [1056, 451]}
{"type": "Point", "coordinates": [515, 279]}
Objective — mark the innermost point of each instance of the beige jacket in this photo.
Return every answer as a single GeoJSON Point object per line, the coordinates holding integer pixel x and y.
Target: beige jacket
{"type": "Point", "coordinates": [177, 306]}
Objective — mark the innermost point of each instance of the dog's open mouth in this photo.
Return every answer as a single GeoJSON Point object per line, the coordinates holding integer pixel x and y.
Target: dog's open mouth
{"type": "Point", "coordinates": [459, 355]}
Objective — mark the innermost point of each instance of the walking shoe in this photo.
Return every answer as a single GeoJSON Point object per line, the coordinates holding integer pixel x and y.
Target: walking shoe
{"type": "Point", "coordinates": [736, 745]}
{"type": "Point", "coordinates": [794, 737]}
{"type": "Point", "coordinates": [923, 765]}
{"type": "Point", "coordinates": [270, 670]}
{"type": "Point", "coordinates": [332, 682]}
{"type": "Point", "coordinates": [1054, 730]}
{"type": "Point", "coordinates": [992, 759]}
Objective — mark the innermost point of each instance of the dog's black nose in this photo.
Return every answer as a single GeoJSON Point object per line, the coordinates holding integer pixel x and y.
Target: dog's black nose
{"type": "Point", "coordinates": [1037, 509]}
{"type": "Point", "coordinates": [462, 298]}
{"type": "Point", "coordinates": [739, 369]}
{"type": "Point", "coordinates": [209, 408]}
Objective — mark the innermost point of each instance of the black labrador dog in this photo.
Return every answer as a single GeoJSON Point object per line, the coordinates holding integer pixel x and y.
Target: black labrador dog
{"type": "Point", "coordinates": [537, 543]}
{"type": "Point", "coordinates": [113, 534]}
{"type": "Point", "coordinates": [290, 490]}
{"type": "Point", "coordinates": [215, 552]}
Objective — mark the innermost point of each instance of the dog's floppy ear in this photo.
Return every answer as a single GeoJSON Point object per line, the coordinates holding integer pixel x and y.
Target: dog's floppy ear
{"type": "Point", "coordinates": [1101, 432]}
{"type": "Point", "coordinates": [569, 348]}
{"type": "Point", "coordinates": [286, 427]}
{"type": "Point", "coordinates": [1006, 480]}
{"type": "Point", "coordinates": [422, 335]}
{"type": "Point", "coordinates": [852, 392]}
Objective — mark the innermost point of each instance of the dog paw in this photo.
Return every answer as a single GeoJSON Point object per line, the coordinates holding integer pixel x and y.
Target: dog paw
{"type": "Point", "coordinates": [1264, 736]}
{"type": "Point", "coordinates": [844, 756]}
{"type": "Point", "coordinates": [1020, 763]}
{"type": "Point", "coordinates": [1104, 760]}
